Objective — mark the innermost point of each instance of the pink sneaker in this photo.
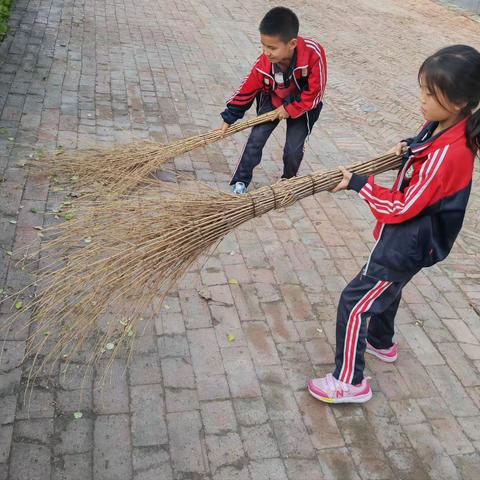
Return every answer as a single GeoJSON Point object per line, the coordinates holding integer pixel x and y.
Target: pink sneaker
{"type": "Point", "coordinates": [388, 355]}
{"type": "Point", "coordinates": [329, 389]}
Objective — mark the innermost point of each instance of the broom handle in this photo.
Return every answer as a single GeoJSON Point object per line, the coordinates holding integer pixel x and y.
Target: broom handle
{"type": "Point", "coordinates": [290, 191]}
{"type": "Point", "coordinates": [213, 136]}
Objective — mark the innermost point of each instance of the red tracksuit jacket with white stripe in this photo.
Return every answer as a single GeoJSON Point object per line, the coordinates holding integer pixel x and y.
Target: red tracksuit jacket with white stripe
{"type": "Point", "coordinates": [419, 219]}
{"type": "Point", "coordinates": [305, 91]}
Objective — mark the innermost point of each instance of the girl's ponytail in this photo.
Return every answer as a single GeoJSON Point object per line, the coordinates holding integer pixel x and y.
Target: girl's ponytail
{"type": "Point", "coordinates": [473, 131]}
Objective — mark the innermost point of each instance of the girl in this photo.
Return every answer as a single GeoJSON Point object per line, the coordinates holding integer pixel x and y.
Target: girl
{"type": "Point", "coordinates": [418, 219]}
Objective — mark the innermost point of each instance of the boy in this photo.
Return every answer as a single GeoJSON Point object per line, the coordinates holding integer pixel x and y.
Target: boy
{"type": "Point", "coordinates": [288, 77]}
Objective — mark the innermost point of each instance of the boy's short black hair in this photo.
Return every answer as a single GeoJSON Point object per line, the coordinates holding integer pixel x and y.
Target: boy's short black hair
{"type": "Point", "coordinates": [280, 22]}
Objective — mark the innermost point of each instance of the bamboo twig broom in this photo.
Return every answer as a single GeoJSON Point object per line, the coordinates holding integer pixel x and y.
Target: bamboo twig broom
{"type": "Point", "coordinates": [120, 169]}
{"type": "Point", "coordinates": [128, 253]}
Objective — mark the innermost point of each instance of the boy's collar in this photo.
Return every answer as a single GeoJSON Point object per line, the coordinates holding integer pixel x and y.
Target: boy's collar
{"type": "Point", "coordinates": [293, 63]}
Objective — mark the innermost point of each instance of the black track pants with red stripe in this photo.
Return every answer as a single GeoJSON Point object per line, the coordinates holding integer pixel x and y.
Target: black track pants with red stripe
{"type": "Point", "coordinates": [362, 298]}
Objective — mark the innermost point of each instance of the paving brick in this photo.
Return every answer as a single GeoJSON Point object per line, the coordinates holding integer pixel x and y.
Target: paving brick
{"type": "Point", "coordinates": [232, 473]}
{"type": "Point", "coordinates": [261, 344]}
{"type": "Point", "coordinates": [6, 433]}
{"type": "Point", "coordinates": [277, 317]}
{"type": "Point", "coordinates": [468, 465]}
{"type": "Point", "coordinates": [30, 461]}
{"type": "Point", "coordinates": [419, 384]}
{"type": "Point", "coordinates": [448, 431]}
{"type": "Point", "coordinates": [111, 390]}
{"type": "Point", "coordinates": [248, 306]}
{"type": "Point", "coordinates": [267, 469]}
{"type": "Point", "coordinates": [144, 370]}
{"type": "Point", "coordinates": [452, 391]}
{"type": "Point", "coordinates": [178, 373]}
{"type": "Point", "coordinates": [224, 449]}
{"type": "Point", "coordinates": [423, 348]}
{"type": "Point", "coordinates": [459, 364]}
{"type": "Point", "coordinates": [430, 451]}
{"type": "Point", "coordinates": [406, 465]}
{"type": "Point", "coordinates": [73, 435]}
{"type": "Point", "coordinates": [38, 403]}
{"type": "Point", "coordinates": [72, 467]}
{"type": "Point", "coordinates": [320, 351]}
{"type": "Point", "coordinates": [147, 416]}
{"type": "Point", "coordinates": [218, 417]}
{"type": "Point", "coordinates": [187, 450]}
{"type": "Point", "coordinates": [305, 469]}
{"type": "Point", "coordinates": [407, 411]}
{"type": "Point", "coordinates": [172, 346]}
{"type": "Point", "coordinates": [241, 375]}
{"type": "Point", "coordinates": [151, 463]}
{"type": "Point", "coordinates": [259, 442]}
{"type": "Point", "coordinates": [111, 448]}
{"type": "Point", "coordinates": [206, 358]}
{"type": "Point", "coordinates": [337, 463]}
{"type": "Point", "coordinates": [194, 309]}
{"type": "Point", "coordinates": [320, 423]}
{"type": "Point", "coordinates": [297, 303]}
{"type": "Point", "coordinates": [8, 408]}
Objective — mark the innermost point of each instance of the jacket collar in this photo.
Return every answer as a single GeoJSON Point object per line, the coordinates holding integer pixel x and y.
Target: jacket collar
{"type": "Point", "coordinates": [448, 136]}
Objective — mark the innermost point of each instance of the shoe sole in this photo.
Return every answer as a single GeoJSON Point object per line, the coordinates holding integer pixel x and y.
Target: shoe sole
{"type": "Point", "coordinates": [358, 399]}
{"type": "Point", "coordinates": [381, 357]}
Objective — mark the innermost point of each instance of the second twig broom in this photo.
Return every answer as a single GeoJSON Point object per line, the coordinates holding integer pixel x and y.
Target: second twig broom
{"type": "Point", "coordinates": [138, 247]}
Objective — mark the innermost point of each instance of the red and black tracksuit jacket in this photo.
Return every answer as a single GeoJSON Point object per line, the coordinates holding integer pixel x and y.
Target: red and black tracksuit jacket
{"type": "Point", "coordinates": [419, 219]}
{"type": "Point", "coordinates": [302, 91]}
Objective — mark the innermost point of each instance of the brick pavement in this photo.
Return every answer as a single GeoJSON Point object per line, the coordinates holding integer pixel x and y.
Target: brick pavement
{"type": "Point", "coordinates": [192, 404]}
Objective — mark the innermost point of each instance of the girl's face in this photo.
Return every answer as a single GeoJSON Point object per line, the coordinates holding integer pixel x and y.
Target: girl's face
{"type": "Point", "coordinates": [435, 107]}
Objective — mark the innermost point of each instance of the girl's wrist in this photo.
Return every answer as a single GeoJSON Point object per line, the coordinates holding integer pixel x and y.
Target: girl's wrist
{"type": "Point", "coordinates": [357, 182]}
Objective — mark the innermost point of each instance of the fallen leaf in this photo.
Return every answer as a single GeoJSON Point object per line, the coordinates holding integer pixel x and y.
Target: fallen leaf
{"type": "Point", "coordinates": [1, 291]}
{"type": "Point", "coordinates": [77, 415]}
{"type": "Point", "coordinates": [233, 281]}
{"type": "Point", "coordinates": [9, 253]}
{"type": "Point", "coordinates": [68, 216]}
{"type": "Point", "coordinates": [19, 305]}
{"type": "Point", "coordinates": [88, 240]}
{"type": "Point", "coordinates": [230, 337]}
{"type": "Point", "coordinates": [13, 222]}
{"type": "Point", "coordinates": [34, 210]}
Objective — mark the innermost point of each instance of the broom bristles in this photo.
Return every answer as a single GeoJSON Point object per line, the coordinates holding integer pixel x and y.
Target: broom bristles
{"type": "Point", "coordinates": [139, 246]}
{"type": "Point", "coordinates": [118, 170]}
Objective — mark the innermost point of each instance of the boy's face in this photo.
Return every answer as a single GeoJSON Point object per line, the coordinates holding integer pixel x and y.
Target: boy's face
{"type": "Point", "coordinates": [276, 49]}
